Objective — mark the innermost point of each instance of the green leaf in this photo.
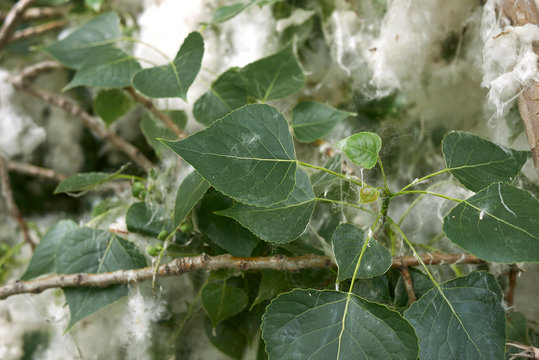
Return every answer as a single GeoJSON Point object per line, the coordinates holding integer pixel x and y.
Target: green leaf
{"type": "Point", "coordinates": [282, 222]}
{"type": "Point", "coordinates": [175, 78]}
{"type": "Point", "coordinates": [221, 301]}
{"type": "Point", "coordinates": [271, 284]}
{"type": "Point", "coordinates": [420, 281]}
{"type": "Point", "coordinates": [154, 129]}
{"type": "Point", "coordinates": [44, 258]}
{"type": "Point", "coordinates": [97, 35]}
{"type": "Point", "coordinates": [191, 190]}
{"type": "Point", "coordinates": [314, 324]}
{"type": "Point", "coordinates": [227, 338]}
{"type": "Point", "coordinates": [361, 148]}
{"type": "Point", "coordinates": [497, 224]}
{"type": "Point", "coordinates": [88, 250]}
{"type": "Point", "coordinates": [111, 104]}
{"type": "Point", "coordinates": [477, 162]}
{"type": "Point", "coordinates": [95, 5]}
{"type": "Point", "coordinates": [106, 68]}
{"type": "Point", "coordinates": [312, 120]}
{"type": "Point", "coordinates": [274, 77]}
{"type": "Point", "coordinates": [466, 322]}
{"type": "Point", "coordinates": [322, 180]}
{"type": "Point", "coordinates": [225, 94]}
{"type": "Point", "coordinates": [517, 328]}
{"type": "Point", "coordinates": [223, 231]}
{"type": "Point", "coordinates": [224, 13]}
{"type": "Point", "coordinates": [85, 181]}
{"type": "Point", "coordinates": [141, 219]}
{"type": "Point", "coordinates": [348, 241]}
{"type": "Point", "coordinates": [248, 155]}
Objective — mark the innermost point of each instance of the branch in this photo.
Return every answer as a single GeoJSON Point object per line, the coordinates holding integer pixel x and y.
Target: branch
{"type": "Point", "coordinates": [39, 13]}
{"type": "Point", "coordinates": [37, 30]}
{"type": "Point", "coordinates": [184, 265]}
{"type": "Point", "coordinates": [14, 16]}
{"type": "Point", "coordinates": [10, 202]}
{"type": "Point", "coordinates": [510, 296]}
{"type": "Point", "coordinates": [529, 352]}
{"type": "Point", "coordinates": [33, 170]}
{"type": "Point", "coordinates": [95, 124]}
{"type": "Point", "coordinates": [148, 104]}
{"type": "Point", "coordinates": [408, 285]}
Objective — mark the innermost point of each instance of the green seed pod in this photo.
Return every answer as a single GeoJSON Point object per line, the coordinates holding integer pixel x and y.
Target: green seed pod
{"type": "Point", "coordinates": [137, 188]}
{"type": "Point", "coordinates": [186, 227]}
{"type": "Point", "coordinates": [158, 247]}
{"type": "Point", "coordinates": [152, 250]}
{"type": "Point", "coordinates": [163, 235]}
{"type": "Point", "coordinates": [368, 194]}
{"type": "Point", "coordinates": [153, 174]}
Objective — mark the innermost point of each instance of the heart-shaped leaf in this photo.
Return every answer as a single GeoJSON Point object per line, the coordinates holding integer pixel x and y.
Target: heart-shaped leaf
{"type": "Point", "coordinates": [248, 155]}
{"type": "Point", "coordinates": [312, 120]}
{"type": "Point", "coordinates": [97, 35]}
{"type": "Point", "coordinates": [362, 148]}
{"type": "Point", "coordinates": [282, 222]}
{"type": "Point", "coordinates": [111, 104]}
{"type": "Point", "coordinates": [477, 162]}
{"type": "Point", "coordinates": [88, 250]}
{"type": "Point", "coordinates": [221, 301]}
{"type": "Point", "coordinates": [463, 319]}
{"type": "Point", "coordinates": [348, 241]}
{"type": "Point", "coordinates": [174, 78]}
{"type": "Point", "coordinates": [499, 223]}
{"type": "Point", "coordinates": [322, 325]}
{"type": "Point", "coordinates": [191, 190]}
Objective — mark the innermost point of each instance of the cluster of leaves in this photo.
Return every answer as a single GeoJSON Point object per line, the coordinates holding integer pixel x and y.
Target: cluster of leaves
{"type": "Point", "coordinates": [250, 196]}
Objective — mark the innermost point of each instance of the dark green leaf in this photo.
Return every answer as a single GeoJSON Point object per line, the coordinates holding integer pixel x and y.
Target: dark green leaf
{"type": "Point", "coordinates": [274, 77]}
{"type": "Point", "coordinates": [88, 250]}
{"type": "Point", "coordinates": [191, 190]}
{"type": "Point", "coordinates": [282, 222]}
{"type": "Point", "coordinates": [361, 148]}
{"type": "Point", "coordinates": [374, 289]}
{"type": "Point", "coordinates": [223, 231]}
{"type": "Point", "coordinates": [226, 94]}
{"type": "Point", "coordinates": [111, 104]}
{"type": "Point", "coordinates": [348, 241]}
{"type": "Point", "coordinates": [106, 68]}
{"type": "Point", "coordinates": [154, 129]}
{"type": "Point", "coordinates": [85, 181]}
{"type": "Point", "coordinates": [44, 258]}
{"type": "Point", "coordinates": [271, 284]}
{"type": "Point", "coordinates": [312, 120]}
{"type": "Point", "coordinates": [221, 301]}
{"type": "Point", "coordinates": [226, 337]}
{"type": "Point", "coordinates": [462, 320]}
{"type": "Point", "coordinates": [248, 155]}
{"type": "Point", "coordinates": [421, 284]}
{"type": "Point", "coordinates": [499, 223]}
{"type": "Point", "coordinates": [313, 324]}
{"type": "Point", "coordinates": [141, 219]}
{"type": "Point", "coordinates": [517, 328]}
{"type": "Point", "coordinates": [95, 36]}
{"type": "Point", "coordinates": [175, 78]}
{"type": "Point", "coordinates": [477, 162]}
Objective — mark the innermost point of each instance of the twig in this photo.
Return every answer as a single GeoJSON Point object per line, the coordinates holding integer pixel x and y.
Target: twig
{"type": "Point", "coordinates": [10, 202]}
{"type": "Point", "coordinates": [33, 170]}
{"type": "Point", "coordinates": [408, 285]}
{"type": "Point", "coordinates": [180, 266]}
{"type": "Point", "coordinates": [39, 13]}
{"type": "Point", "coordinates": [148, 104]}
{"type": "Point", "coordinates": [37, 30]}
{"type": "Point", "coordinates": [509, 297]}
{"type": "Point", "coordinates": [14, 16]}
{"type": "Point", "coordinates": [530, 352]}
{"type": "Point", "coordinates": [95, 124]}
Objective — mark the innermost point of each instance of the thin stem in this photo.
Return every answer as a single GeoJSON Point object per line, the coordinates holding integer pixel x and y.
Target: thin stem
{"type": "Point", "coordinates": [342, 203]}
{"type": "Point", "coordinates": [330, 172]}
{"type": "Point", "coordinates": [428, 193]}
{"type": "Point", "coordinates": [386, 188]}
{"type": "Point", "coordinates": [130, 177]}
{"type": "Point", "coordinates": [10, 252]}
{"type": "Point", "coordinates": [417, 181]}
{"type": "Point", "coordinates": [130, 39]}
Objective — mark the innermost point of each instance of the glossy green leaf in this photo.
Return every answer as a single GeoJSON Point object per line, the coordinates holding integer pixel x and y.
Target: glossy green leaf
{"type": "Point", "coordinates": [106, 68]}
{"type": "Point", "coordinates": [191, 190]}
{"type": "Point", "coordinates": [466, 322]}
{"type": "Point", "coordinates": [221, 301]}
{"type": "Point", "coordinates": [223, 231]}
{"type": "Point", "coordinates": [111, 104]}
{"type": "Point", "coordinates": [347, 242]}
{"type": "Point", "coordinates": [44, 258]}
{"type": "Point", "coordinates": [140, 218]}
{"type": "Point", "coordinates": [88, 250]}
{"type": "Point", "coordinates": [248, 155]}
{"type": "Point", "coordinates": [225, 94]}
{"type": "Point", "coordinates": [477, 162]}
{"type": "Point", "coordinates": [154, 129]}
{"type": "Point", "coordinates": [322, 325]}
{"type": "Point", "coordinates": [274, 77]}
{"type": "Point", "coordinates": [312, 120]}
{"type": "Point", "coordinates": [499, 224]}
{"type": "Point", "coordinates": [97, 35]}
{"type": "Point", "coordinates": [85, 181]}
{"type": "Point", "coordinates": [174, 78]}
{"type": "Point", "coordinates": [226, 337]}
{"type": "Point", "coordinates": [282, 222]}
{"type": "Point", "coordinates": [361, 148]}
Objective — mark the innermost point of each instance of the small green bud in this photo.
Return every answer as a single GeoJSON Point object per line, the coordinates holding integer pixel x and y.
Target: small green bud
{"type": "Point", "coordinates": [137, 188]}
{"type": "Point", "coordinates": [186, 227]}
{"type": "Point", "coordinates": [153, 174]}
{"type": "Point", "coordinates": [162, 235]}
{"type": "Point", "coordinates": [152, 250]}
{"type": "Point", "coordinates": [368, 194]}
